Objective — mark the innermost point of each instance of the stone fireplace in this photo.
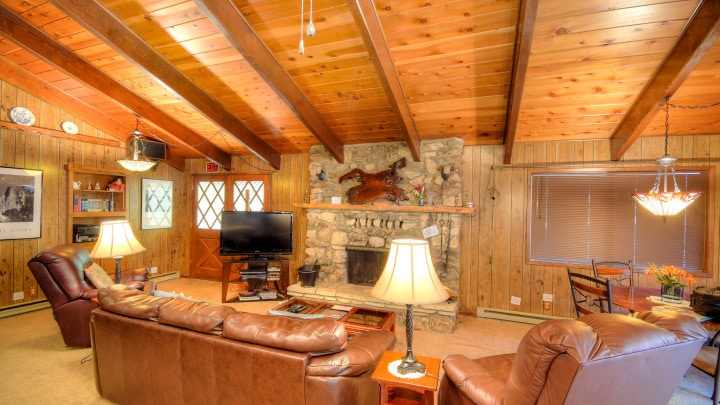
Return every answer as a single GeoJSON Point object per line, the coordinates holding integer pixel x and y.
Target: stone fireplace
{"type": "Point", "coordinates": [365, 264]}
{"type": "Point", "coordinates": [336, 231]}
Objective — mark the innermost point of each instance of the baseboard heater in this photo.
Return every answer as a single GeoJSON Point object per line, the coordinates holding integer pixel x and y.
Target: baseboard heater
{"type": "Point", "coordinates": [513, 316]}
{"type": "Point", "coordinates": [164, 277]}
{"type": "Point", "coordinates": [24, 308]}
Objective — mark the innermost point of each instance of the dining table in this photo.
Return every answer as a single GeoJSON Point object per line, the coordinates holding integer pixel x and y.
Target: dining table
{"type": "Point", "coordinates": [635, 299]}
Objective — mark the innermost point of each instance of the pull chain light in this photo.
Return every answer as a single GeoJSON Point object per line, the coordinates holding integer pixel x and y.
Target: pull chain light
{"type": "Point", "coordinates": [301, 47]}
{"type": "Point", "coordinates": [311, 25]}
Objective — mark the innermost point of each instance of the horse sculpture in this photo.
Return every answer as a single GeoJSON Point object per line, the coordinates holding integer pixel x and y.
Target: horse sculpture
{"type": "Point", "coordinates": [376, 185]}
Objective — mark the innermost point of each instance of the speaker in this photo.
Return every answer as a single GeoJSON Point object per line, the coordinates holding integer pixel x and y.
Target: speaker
{"type": "Point", "coordinates": [152, 149]}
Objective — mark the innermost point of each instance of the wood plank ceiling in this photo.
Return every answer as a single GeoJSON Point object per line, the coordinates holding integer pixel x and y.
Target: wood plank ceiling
{"type": "Point", "coordinates": [215, 78]}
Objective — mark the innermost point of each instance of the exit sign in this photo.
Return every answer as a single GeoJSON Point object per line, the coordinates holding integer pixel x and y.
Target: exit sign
{"type": "Point", "coordinates": [211, 167]}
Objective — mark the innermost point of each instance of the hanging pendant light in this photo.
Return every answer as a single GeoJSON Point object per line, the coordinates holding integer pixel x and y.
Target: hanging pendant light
{"type": "Point", "coordinates": [139, 162]}
{"type": "Point", "coordinates": [666, 203]}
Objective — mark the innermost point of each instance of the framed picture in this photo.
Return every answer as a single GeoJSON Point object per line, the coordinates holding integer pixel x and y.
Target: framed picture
{"type": "Point", "coordinates": [20, 203]}
{"type": "Point", "coordinates": [157, 204]}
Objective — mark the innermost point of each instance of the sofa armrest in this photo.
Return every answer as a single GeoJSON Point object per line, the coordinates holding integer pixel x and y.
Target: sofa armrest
{"type": "Point", "coordinates": [361, 355]}
{"type": "Point", "coordinates": [475, 381]}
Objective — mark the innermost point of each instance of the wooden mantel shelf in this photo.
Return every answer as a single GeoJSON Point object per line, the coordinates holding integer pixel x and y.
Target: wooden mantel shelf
{"type": "Point", "coordinates": [387, 208]}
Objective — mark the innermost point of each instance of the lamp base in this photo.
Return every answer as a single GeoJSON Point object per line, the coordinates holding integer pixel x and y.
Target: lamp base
{"type": "Point", "coordinates": [410, 365]}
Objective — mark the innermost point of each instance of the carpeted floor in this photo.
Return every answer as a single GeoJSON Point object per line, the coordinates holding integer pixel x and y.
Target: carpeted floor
{"type": "Point", "coordinates": [36, 367]}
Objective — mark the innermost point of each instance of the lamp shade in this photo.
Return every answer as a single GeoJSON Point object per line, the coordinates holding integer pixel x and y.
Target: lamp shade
{"type": "Point", "coordinates": [116, 240]}
{"type": "Point", "coordinates": [409, 276]}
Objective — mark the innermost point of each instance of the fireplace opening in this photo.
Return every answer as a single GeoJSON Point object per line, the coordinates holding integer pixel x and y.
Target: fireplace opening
{"type": "Point", "coordinates": [365, 264]}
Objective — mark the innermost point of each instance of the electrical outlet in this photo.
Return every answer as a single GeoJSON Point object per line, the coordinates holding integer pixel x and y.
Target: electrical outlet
{"type": "Point", "coordinates": [515, 300]}
{"type": "Point", "coordinates": [32, 291]}
{"type": "Point", "coordinates": [153, 269]}
{"type": "Point", "coordinates": [17, 296]}
{"type": "Point", "coordinates": [546, 305]}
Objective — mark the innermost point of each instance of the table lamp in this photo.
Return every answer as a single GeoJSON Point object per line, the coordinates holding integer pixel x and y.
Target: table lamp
{"type": "Point", "coordinates": [409, 278]}
{"type": "Point", "coordinates": [116, 240]}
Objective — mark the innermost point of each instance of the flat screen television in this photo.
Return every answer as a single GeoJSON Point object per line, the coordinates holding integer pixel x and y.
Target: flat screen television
{"type": "Point", "coordinates": [256, 233]}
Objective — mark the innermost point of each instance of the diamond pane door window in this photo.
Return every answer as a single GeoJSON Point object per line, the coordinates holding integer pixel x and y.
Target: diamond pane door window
{"type": "Point", "coordinates": [249, 195]}
{"type": "Point", "coordinates": [210, 204]}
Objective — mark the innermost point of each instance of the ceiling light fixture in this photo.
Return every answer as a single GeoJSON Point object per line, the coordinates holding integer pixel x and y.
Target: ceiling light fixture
{"type": "Point", "coordinates": [136, 164]}
{"type": "Point", "coordinates": [666, 203]}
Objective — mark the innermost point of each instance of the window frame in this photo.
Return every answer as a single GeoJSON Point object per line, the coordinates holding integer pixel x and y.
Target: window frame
{"type": "Point", "coordinates": [709, 242]}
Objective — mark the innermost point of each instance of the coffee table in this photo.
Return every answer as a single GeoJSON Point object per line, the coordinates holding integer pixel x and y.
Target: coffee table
{"type": "Point", "coordinates": [356, 319]}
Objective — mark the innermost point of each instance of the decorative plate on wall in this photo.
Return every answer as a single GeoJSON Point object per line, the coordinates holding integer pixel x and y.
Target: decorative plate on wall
{"type": "Point", "coordinates": [69, 127]}
{"type": "Point", "coordinates": [22, 116]}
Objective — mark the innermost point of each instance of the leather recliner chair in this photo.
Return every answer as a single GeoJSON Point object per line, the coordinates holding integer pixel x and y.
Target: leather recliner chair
{"type": "Point", "coordinates": [595, 359]}
{"type": "Point", "coordinates": [59, 272]}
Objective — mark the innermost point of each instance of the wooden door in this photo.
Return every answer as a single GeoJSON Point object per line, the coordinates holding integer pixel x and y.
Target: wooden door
{"type": "Point", "coordinates": [212, 195]}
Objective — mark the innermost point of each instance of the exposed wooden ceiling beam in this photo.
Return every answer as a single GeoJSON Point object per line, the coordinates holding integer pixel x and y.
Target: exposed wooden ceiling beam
{"type": "Point", "coordinates": [700, 35]}
{"type": "Point", "coordinates": [233, 25]}
{"type": "Point", "coordinates": [368, 23]}
{"type": "Point", "coordinates": [46, 48]}
{"type": "Point", "coordinates": [526, 27]}
{"type": "Point", "coordinates": [106, 26]}
{"type": "Point", "coordinates": [31, 83]}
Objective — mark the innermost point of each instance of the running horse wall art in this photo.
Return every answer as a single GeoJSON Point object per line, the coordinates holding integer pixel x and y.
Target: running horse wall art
{"type": "Point", "coordinates": [376, 185]}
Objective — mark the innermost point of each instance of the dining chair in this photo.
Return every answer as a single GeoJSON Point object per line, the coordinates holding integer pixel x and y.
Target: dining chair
{"type": "Point", "coordinates": [708, 361]}
{"type": "Point", "coordinates": [590, 294]}
{"type": "Point", "coordinates": [618, 272]}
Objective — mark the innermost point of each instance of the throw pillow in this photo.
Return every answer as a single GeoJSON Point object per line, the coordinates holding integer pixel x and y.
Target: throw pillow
{"type": "Point", "coordinates": [98, 277]}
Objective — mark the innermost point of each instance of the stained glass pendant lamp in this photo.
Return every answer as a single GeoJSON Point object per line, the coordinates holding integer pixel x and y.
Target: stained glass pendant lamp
{"type": "Point", "coordinates": [136, 161]}
{"type": "Point", "coordinates": [666, 203]}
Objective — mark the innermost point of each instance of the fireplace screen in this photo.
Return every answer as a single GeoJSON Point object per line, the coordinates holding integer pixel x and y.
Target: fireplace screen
{"type": "Point", "coordinates": [365, 264]}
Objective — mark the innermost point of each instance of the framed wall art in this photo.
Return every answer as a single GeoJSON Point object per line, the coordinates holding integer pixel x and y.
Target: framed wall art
{"type": "Point", "coordinates": [20, 203]}
{"type": "Point", "coordinates": [157, 204]}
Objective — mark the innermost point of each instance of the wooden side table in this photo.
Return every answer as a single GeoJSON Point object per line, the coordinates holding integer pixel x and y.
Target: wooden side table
{"type": "Point", "coordinates": [390, 385]}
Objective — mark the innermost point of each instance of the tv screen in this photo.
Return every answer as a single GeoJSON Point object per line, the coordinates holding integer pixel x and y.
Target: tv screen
{"type": "Point", "coordinates": [256, 233]}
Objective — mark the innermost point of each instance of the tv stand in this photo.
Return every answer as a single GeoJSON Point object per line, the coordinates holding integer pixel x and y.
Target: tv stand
{"type": "Point", "coordinates": [254, 271]}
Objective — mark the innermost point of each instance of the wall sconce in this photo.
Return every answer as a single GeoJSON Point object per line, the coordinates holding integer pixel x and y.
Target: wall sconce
{"type": "Point", "coordinates": [320, 173]}
{"type": "Point", "coordinates": [446, 171]}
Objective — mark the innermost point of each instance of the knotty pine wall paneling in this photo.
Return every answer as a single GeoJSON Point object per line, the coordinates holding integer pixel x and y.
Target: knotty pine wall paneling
{"type": "Point", "coordinates": [493, 262]}
{"type": "Point", "coordinates": [33, 150]}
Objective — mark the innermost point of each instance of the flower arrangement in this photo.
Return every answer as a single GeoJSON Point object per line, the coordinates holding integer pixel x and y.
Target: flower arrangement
{"type": "Point", "coordinates": [669, 275]}
{"type": "Point", "coordinates": [420, 191]}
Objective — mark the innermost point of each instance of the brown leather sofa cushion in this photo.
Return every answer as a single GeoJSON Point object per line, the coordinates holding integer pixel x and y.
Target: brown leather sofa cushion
{"type": "Point", "coordinates": [198, 316]}
{"type": "Point", "coordinates": [130, 302]}
{"type": "Point", "coordinates": [363, 352]}
{"type": "Point", "coordinates": [314, 336]}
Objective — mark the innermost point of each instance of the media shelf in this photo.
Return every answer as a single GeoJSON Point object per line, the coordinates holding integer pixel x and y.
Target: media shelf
{"type": "Point", "coordinates": [258, 272]}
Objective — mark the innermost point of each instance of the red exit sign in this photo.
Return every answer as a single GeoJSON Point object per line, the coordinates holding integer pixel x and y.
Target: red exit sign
{"type": "Point", "coordinates": [211, 167]}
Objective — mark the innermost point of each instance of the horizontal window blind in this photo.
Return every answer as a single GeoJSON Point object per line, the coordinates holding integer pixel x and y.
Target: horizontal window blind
{"type": "Point", "coordinates": [577, 216]}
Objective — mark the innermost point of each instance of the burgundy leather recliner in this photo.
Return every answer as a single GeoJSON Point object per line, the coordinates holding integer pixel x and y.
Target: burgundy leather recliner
{"type": "Point", "coordinates": [59, 272]}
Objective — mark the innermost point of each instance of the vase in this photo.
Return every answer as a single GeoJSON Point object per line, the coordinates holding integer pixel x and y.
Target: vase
{"type": "Point", "coordinates": [421, 202]}
{"type": "Point", "coordinates": [671, 293]}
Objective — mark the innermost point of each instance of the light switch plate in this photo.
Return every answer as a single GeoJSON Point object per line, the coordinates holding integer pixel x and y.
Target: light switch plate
{"type": "Point", "coordinates": [18, 296]}
{"type": "Point", "coordinates": [515, 300]}
{"type": "Point", "coordinates": [430, 231]}
{"type": "Point", "coordinates": [547, 297]}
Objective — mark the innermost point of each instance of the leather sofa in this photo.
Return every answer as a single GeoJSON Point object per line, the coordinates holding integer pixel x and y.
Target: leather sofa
{"type": "Point", "coordinates": [594, 359]}
{"type": "Point", "coordinates": [163, 350]}
{"type": "Point", "coordinates": [59, 272]}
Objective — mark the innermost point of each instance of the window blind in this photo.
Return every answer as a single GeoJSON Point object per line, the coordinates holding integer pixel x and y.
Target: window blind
{"type": "Point", "coordinates": [577, 216]}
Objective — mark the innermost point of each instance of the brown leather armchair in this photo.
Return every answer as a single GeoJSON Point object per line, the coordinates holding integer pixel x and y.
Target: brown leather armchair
{"type": "Point", "coordinates": [59, 273]}
{"type": "Point", "coordinates": [595, 359]}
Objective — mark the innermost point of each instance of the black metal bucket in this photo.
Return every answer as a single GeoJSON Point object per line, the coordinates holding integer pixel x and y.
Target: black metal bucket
{"type": "Point", "coordinates": [308, 275]}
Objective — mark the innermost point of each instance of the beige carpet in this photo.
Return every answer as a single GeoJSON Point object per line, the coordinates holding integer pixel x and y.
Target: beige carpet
{"type": "Point", "coordinates": [36, 367]}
